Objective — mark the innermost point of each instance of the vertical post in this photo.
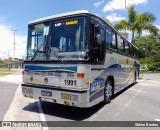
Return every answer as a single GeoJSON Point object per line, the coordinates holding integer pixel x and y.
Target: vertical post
{"type": "Point", "coordinates": [126, 16]}
{"type": "Point", "coordinates": [14, 31]}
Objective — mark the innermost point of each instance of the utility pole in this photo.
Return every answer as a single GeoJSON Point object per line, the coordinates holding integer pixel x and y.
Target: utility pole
{"type": "Point", "coordinates": [125, 13]}
{"type": "Point", "coordinates": [14, 31]}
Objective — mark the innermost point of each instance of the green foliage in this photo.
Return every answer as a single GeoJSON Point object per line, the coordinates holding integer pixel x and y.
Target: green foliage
{"type": "Point", "coordinates": [1, 61]}
{"type": "Point", "coordinates": [152, 46]}
{"type": "Point", "coordinates": [138, 22]}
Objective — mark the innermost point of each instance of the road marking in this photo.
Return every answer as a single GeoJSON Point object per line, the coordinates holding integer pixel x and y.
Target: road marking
{"type": "Point", "coordinates": [137, 90]}
{"type": "Point", "coordinates": [139, 80]}
{"type": "Point", "coordinates": [41, 115]}
{"type": "Point", "coordinates": [157, 119]}
{"type": "Point", "coordinates": [131, 99]}
{"type": "Point", "coordinates": [153, 81]}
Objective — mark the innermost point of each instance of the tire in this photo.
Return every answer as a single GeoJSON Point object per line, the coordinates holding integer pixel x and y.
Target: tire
{"type": "Point", "coordinates": [135, 79]}
{"type": "Point", "coordinates": [108, 91]}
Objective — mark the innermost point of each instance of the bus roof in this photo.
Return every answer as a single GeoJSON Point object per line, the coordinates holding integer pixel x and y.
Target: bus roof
{"type": "Point", "coordinates": [60, 15]}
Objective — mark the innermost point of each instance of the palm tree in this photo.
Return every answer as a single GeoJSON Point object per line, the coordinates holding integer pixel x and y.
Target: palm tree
{"type": "Point", "coordinates": [137, 22]}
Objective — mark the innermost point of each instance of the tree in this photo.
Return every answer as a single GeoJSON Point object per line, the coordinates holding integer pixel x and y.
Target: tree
{"type": "Point", "coordinates": [1, 61]}
{"type": "Point", "coordinates": [149, 48]}
{"type": "Point", "coordinates": [137, 23]}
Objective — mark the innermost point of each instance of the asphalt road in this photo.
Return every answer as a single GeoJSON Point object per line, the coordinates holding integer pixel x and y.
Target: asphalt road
{"type": "Point", "coordinates": [8, 86]}
{"type": "Point", "coordinates": [7, 91]}
{"type": "Point", "coordinates": [140, 102]}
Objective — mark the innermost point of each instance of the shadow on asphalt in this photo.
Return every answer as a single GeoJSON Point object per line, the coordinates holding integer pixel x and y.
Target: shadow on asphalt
{"type": "Point", "coordinates": [69, 112]}
{"type": "Point", "coordinates": [32, 107]}
{"type": "Point", "coordinates": [123, 90]}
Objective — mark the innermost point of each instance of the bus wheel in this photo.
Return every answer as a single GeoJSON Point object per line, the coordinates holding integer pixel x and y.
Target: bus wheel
{"type": "Point", "coordinates": [135, 78]}
{"type": "Point", "coordinates": [108, 91]}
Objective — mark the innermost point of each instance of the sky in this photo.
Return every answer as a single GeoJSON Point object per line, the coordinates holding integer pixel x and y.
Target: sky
{"type": "Point", "coordinates": [16, 14]}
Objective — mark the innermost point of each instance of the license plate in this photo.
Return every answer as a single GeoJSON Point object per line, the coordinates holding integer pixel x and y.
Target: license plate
{"type": "Point", "coordinates": [46, 93]}
{"type": "Point", "coordinates": [66, 96]}
{"type": "Point", "coordinates": [46, 99]}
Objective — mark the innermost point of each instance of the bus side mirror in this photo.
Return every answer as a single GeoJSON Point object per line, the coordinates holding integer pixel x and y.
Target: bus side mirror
{"type": "Point", "coordinates": [97, 29]}
{"type": "Point", "coordinates": [98, 34]}
{"type": "Point", "coordinates": [98, 39]}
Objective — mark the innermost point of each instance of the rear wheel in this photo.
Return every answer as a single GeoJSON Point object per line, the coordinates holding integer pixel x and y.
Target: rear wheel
{"type": "Point", "coordinates": [135, 78]}
{"type": "Point", "coordinates": [108, 91]}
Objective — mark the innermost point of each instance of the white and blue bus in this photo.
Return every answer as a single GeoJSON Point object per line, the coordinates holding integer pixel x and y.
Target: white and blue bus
{"type": "Point", "coordinates": [77, 59]}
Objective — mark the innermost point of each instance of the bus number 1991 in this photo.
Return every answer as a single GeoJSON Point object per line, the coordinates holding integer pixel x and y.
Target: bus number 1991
{"type": "Point", "coordinates": [70, 82]}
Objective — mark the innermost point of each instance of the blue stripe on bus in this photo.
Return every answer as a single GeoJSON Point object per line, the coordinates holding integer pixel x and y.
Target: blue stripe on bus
{"type": "Point", "coordinates": [97, 88]}
{"type": "Point", "coordinates": [115, 66]}
{"type": "Point", "coordinates": [101, 78]}
{"type": "Point", "coordinates": [45, 68]}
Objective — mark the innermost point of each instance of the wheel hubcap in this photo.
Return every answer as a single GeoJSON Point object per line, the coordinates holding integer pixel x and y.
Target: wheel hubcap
{"type": "Point", "coordinates": [108, 90]}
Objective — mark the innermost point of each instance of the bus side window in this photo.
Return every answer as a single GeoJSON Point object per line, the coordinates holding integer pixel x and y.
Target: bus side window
{"type": "Point", "coordinates": [114, 45]}
{"type": "Point", "coordinates": [120, 43]}
{"type": "Point", "coordinates": [127, 48]}
{"type": "Point", "coordinates": [111, 39]}
{"type": "Point", "coordinates": [131, 50]}
{"type": "Point", "coordinates": [102, 46]}
{"type": "Point", "coordinates": [108, 38]}
{"type": "Point", "coordinates": [100, 41]}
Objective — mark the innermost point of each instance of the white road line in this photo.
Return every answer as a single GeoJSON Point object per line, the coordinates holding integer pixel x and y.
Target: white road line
{"type": "Point", "coordinates": [157, 119]}
{"type": "Point", "coordinates": [153, 81]}
{"type": "Point", "coordinates": [41, 115]}
{"type": "Point", "coordinates": [137, 90]}
{"type": "Point", "coordinates": [139, 80]}
{"type": "Point", "coordinates": [131, 99]}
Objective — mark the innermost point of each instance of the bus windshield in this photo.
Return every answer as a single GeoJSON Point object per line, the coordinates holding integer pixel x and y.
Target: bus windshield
{"type": "Point", "coordinates": [62, 39]}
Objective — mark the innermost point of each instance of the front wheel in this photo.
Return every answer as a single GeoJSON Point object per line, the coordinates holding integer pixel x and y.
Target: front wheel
{"type": "Point", "coordinates": [108, 91]}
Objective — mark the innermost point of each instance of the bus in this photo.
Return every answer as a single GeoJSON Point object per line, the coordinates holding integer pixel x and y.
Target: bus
{"type": "Point", "coordinates": [77, 59]}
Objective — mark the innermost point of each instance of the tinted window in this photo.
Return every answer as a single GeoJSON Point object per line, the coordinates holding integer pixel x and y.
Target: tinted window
{"type": "Point", "coordinates": [120, 44]}
{"type": "Point", "coordinates": [69, 35]}
{"type": "Point", "coordinates": [127, 48]}
{"type": "Point", "coordinates": [108, 38]}
{"type": "Point", "coordinates": [111, 39]}
{"type": "Point", "coordinates": [114, 46]}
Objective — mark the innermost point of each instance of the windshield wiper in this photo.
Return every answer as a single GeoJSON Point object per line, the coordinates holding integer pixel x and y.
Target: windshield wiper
{"type": "Point", "coordinates": [38, 50]}
{"type": "Point", "coordinates": [55, 53]}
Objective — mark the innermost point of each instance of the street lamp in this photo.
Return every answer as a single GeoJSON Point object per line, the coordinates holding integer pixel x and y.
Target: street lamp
{"type": "Point", "coordinates": [14, 31]}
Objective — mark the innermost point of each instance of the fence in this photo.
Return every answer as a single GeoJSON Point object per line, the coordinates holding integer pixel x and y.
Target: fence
{"type": "Point", "coordinates": [12, 65]}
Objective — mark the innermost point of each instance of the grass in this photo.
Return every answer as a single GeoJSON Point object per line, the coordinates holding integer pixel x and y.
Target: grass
{"type": "Point", "coordinates": [4, 72]}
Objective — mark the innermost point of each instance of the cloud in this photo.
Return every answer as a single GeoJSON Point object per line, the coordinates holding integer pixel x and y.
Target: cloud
{"type": "Point", "coordinates": [114, 17]}
{"type": "Point", "coordinates": [6, 43]}
{"type": "Point", "coordinates": [97, 4]}
{"type": "Point", "coordinates": [158, 26]}
{"type": "Point", "coordinates": [120, 4]}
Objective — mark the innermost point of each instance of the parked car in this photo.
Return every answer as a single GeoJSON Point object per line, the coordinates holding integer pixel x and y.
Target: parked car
{"type": "Point", "coordinates": [144, 69]}
{"type": "Point", "coordinates": [156, 69]}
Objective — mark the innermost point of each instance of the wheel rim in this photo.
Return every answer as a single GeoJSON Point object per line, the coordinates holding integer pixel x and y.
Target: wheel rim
{"type": "Point", "coordinates": [108, 89]}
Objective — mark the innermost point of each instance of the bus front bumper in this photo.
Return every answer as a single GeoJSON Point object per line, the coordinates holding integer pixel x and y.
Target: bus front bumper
{"type": "Point", "coordinates": [70, 97]}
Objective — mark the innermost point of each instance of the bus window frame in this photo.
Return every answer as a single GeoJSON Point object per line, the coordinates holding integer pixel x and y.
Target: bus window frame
{"type": "Point", "coordinates": [96, 21]}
